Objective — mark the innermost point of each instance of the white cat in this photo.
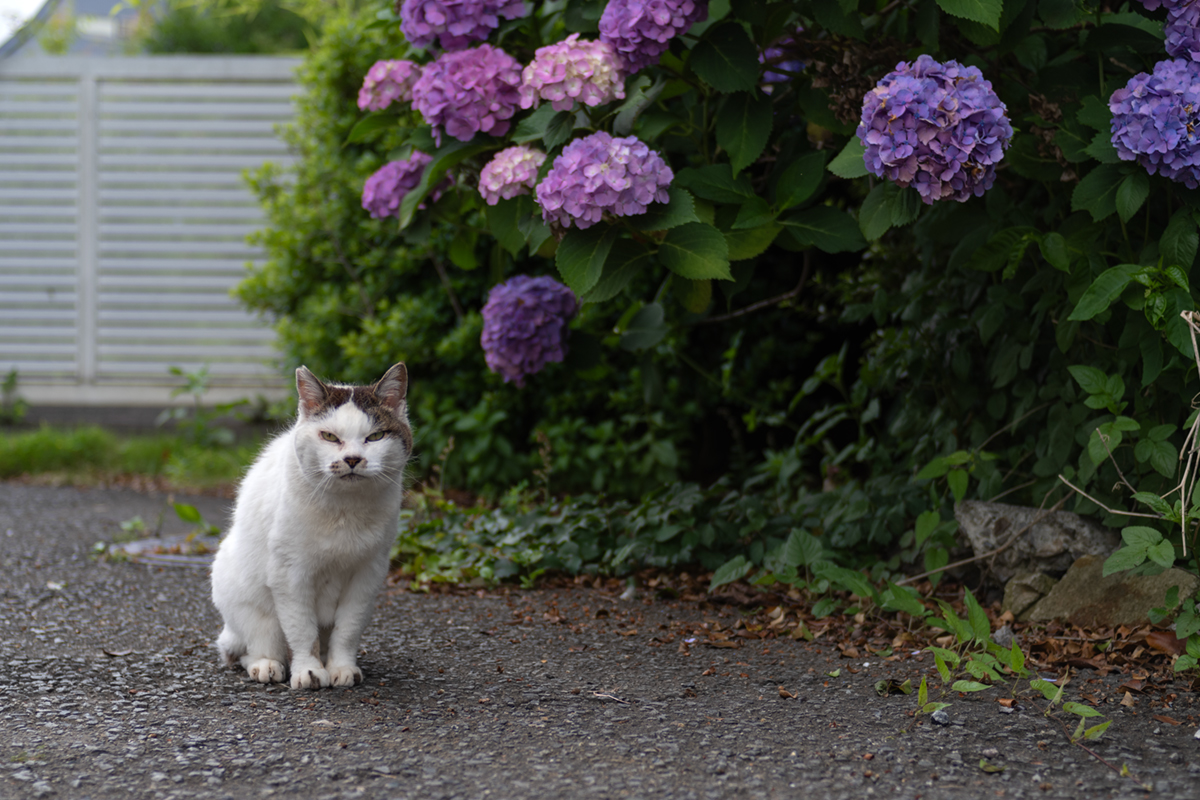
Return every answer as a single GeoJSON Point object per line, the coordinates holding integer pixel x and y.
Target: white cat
{"type": "Point", "coordinates": [314, 523]}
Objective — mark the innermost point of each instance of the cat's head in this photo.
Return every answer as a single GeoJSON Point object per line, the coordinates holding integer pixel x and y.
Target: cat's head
{"type": "Point", "coordinates": [354, 434]}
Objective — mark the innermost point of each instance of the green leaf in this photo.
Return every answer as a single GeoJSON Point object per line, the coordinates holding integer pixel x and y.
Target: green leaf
{"type": "Point", "coordinates": [1097, 192]}
{"type": "Point", "coordinates": [800, 180]}
{"type": "Point", "coordinates": [638, 98]}
{"type": "Point", "coordinates": [695, 296]}
{"type": "Point", "coordinates": [875, 214]}
{"type": "Point", "coordinates": [1094, 733]}
{"type": "Point", "coordinates": [1104, 290]}
{"type": "Point", "coordinates": [923, 692]}
{"type": "Point", "coordinates": [743, 127]}
{"type": "Point", "coordinates": [981, 627]}
{"type": "Point", "coordinates": [1094, 111]}
{"type": "Point", "coordinates": [503, 221]}
{"type": "Point", "coordinates": [581, 256]}
{"type": "Point", "coordinates": [1054, 250]}
{"type": "Point", "coordinates": [958, 479]}
{"type": "Point", "coordinates": [645, 329]}
{"type": "Point", "coordinates": [370, 126]}
{"type": "Point", "coordinates": [986, 12]}
{"type": "Point", "coordinates": [902, 598]}
{"type": "Point", "coordinates": [1140, 536]}
{"type": "Point", "coordinates": [744, 244]}
{"type": "Point", "coordinates": [558, 129]}
{"type": "Point", "coordinates": [446, 158]}
{"type": "Point", "coordinates": [697, 251]}
{"type": "Point", "coordinates": [462, 252]}
{"type": "Point", "coordinates": [754, 214]}
{"type": "Point", "coordinates": [1132, 193]}
{"type": "Point", "coordinates": [188, 513]}
{"type": "Point", "coordinates": [533, 127]}
{"type": "Point", "coordinates": [727, 60]}
{"type": "Point", "coordinates": [939, 661]}
{"type": "Point", "coordinates": [968, 686]}
{"type": "Point", "coordinates": [1050, 691]}
{"type": "Point", "coordinates": [626, 259]}
{"type": "Point", "coordinates": [927, 522]}
{"type": "Point", "coordinates": [1080, 709]}
{"type": "Point", "coordinates": [678, 210]}
{"type": "Point", "coordinates": [1179, 241]}
{"type": "Point", "coordinates": [732, 570]}
{"type": "Point", "coordinates": [1162, 554]}
{"type": "Point", "coordinates": [1125, 558]}
{"type": "Point", "coordinates": [1090, 379]}
{"type": "Point", "coordinates": [715, 182]}
{"type": "Point", "coordinates": [802, 549]}
{"type": "Point", "coordinates": [828, 229]}
{"type": "Point", "coordinates": [1150, 500]}
{"type": "Point", "coordinates": [851, 580]}
{"type": "Point", "coordinates": [1101, 148]}
{"type": "Point", "coordinates": [850, 163]}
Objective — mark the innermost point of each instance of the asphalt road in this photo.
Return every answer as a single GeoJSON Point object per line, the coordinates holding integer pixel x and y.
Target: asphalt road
{"type": "Point", "coordinates": [111, 689]}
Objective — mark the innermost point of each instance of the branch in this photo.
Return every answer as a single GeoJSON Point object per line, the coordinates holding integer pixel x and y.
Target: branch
{"type": "Point", "coordinates": [441, 271]}
{"type": "Point", "coordinates": [768, 302]}
{"type": "Point", "coordinates": [1106, 508]}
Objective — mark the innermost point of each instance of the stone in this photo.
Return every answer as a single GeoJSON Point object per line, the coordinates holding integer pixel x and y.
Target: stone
{"type": "Point", "coordinates": [1050, 546]}
{"type": "Point", "coordinates": [1086, 597]}
{"type": "Point", "coordinates": [1023, 590]}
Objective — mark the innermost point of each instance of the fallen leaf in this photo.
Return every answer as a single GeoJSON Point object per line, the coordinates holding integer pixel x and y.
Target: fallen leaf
{"type": "Point", "coordinates": [1166, 642]}
{"type": "Point", "coordinates": [834, 674]}
{"type": "Point", "coordinates": [1132, 685]}
{"type": "Point", "coordinates": [785, 694]}
{"type": "Point", "coordinates": [1166, 719]}
{"type": "Point", "coordinates": [1006, 702]}
{"type": "Point", "coordinates": [1128, 700]}
{"type": "Point", "coordinates": [989, 768]}
{"type": "Point", "coordinates": [630, 632]}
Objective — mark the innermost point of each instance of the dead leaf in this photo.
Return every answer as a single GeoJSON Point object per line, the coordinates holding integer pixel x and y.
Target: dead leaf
{"type": "Point", "coordinates": [630, 632]}
{"type": "Point", "coordinates": [1128, 700]}
{"type": "Point", "coordinates": [1166, 719]}
{"type": "Point", "coordinates": [1006, 702]}
{"type": "Point", "coordinates": [785, 694]}
{"type": "Point", "coordinates": [1166, 642]}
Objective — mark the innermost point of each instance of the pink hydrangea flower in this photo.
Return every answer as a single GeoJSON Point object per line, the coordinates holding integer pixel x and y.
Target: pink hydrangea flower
{"type": "Point", "coordinates": [384, 191]}
{"type": "Point", "coordinates": [386, 82]}
{"type": "Point", "coordinates": [455, 24]}
{"type": "Point", "coordinates": [571, 70]}
{"type": "Point", "coordinates": [512, 172]}
{"type": "Point", "coordinates": [642, 30]}
{"type": "Point", "coordinates": [600, 174]}
{"type": "Point", "coordinates": [468, 92]}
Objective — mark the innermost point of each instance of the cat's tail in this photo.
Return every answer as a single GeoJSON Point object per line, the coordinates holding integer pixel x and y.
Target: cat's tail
{"type": "Point", "coordinates": [230, 646]}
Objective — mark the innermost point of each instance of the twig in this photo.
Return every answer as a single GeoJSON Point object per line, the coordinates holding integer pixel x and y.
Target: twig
{"type": "Point", "coordinates": [1011, 425]}
{"type": "Point", "coordinates": [1106, 508]}
{"type": "Point", "coordinates": [1010, 491]}
{"type": "Point", "coordinates": [1007, 543]}
{"type": "Point", "coordinates": [441, 271]}
{"type": "Point", "coordinates": [769, 301]}
{"type": "Point", "coordinates": [1104, 441]}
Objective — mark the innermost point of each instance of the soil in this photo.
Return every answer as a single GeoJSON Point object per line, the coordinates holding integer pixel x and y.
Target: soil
{"type": "Point", "coordinates": [111, 689]}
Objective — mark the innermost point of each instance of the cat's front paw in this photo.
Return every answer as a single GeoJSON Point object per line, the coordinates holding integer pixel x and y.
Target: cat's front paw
{"type": "Point", "coordinates": [345, 675]}
{"type": "Point", "coordinates": [310, 678]}
{"type": "Point", "coordinates": [266, 670]}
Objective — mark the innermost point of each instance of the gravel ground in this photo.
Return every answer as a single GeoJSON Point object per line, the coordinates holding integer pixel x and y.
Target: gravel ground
{"type": "Point", "coordinates": [112, 690]}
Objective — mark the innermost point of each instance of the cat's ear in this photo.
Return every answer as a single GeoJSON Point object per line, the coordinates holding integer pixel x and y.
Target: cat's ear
{"type": "Point", "coordinates": [392, 388]}
{"type": "Point", "coordinates": [313, 393]}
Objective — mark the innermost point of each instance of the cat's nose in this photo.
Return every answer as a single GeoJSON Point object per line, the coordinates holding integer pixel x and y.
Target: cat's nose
{"type": "Point", "coordinates": [352, 461]}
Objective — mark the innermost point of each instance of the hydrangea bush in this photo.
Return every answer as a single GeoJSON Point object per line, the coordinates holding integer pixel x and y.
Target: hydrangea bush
{"type": "Point", "coordinates": [942, 258]}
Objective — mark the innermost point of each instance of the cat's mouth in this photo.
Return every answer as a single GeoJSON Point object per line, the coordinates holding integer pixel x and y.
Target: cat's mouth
{"type": "Point", "coordinates": [353, 476]}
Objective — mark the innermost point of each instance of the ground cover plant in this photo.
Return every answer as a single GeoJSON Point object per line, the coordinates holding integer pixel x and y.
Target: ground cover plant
{"type": "Point", "coordinates": [833, 267]}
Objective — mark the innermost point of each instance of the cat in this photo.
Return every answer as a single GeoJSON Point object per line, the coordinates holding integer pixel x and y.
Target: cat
{"type": "Point", "coordinates": [311, 535]}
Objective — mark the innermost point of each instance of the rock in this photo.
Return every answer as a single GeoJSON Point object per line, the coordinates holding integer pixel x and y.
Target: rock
{"type": "Point", "coordinates": [1051, 545]}
{"type": "Point", "coordinates": [1085, 597]}
{"type": "Point", "coordinates": [940, 717]}
{"type": "Point", "coordinates": [1004, 637]}
{"type": "Point", "coordinates": [1023, 590]}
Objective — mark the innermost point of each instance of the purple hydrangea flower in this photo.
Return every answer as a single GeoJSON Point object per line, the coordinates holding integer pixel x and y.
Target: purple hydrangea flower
{"type": "Point", "coordinates": [571, 70]}
{"type": "Point", "coordinates": [525, 325]}
{"type": "Point", "coordinates": [454, 23]}
{"type": "Point", "coordinates": [384, 190]}
{"type": "Point", "coordinates": [598, 174]}
{"type": "Point", "coordinates": [641, 30]}
{"type": "Point", "coordinates": [512, 172]}
{"type": "Point", "coordinates": [1155, 119]}
{"type": "Point", "coordinates": [468, 92]}
{"type": "Point", "coordinates": [938, 127]}
{"type": "Point", "coordinates": [1182, 27]}
{"type": "Point", "coordinates": [386, 82]}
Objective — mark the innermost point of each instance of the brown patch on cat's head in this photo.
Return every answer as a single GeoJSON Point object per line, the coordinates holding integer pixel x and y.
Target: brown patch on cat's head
{"type": "Point", "coordinates": [383, 401]}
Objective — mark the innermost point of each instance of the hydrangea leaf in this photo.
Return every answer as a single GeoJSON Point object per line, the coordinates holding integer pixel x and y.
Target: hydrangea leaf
{"type": "Point", "coordinates": [833, 18]}
{"type": "Point", "coordinates": [715, 182]}
{"type": "Point", "coordinates": [801, 179]}
{"type": "Point", "coordinates": [558, 129]}
{"type": "Point", "coordinates": [679, 210]}
{"type": "Point", "coordinates": [750, 242]}
{"type": "Point", "coordinates": [1095, 114]}
{"type": "Point", "coordinates": [444, 159]}
{"type": "Point", "coordinates": [1132, 193]}
{"type": "Point", "coordinates": [1102, 149]}
{"type": "Point", "coordinates": [743, 128]}
{"type": "Point", "coordinates": [696, 296]}
{"type": "Point", "coordinates": [1179, 241]}
{"type": "Point", "coordinates": [639, 97]}
{"type": "Point", "coordinates": [1097, 192]}
{"type": "Point", "coordinates": [875, 214]}
{"type": "Point", "coordinates": [1104, 290]}
{"type": "Point", "coordinates": [645, 329]}
{"type": "Point", "coordinates": [503, 219]}
{"type": "Point", "coordinates": [727, 60]}
{"type": "Point", "coordinates": [986, 12]}
{"type": "Point", "coordinates": [826, 228]}
{"type": "Point", "coordinates": [696, 251]}
{"type": "Point", "coordinates": [369, 127]}
{"type": "Point", "coordinates": [849, 163]}
{"type": "Point", "coordinates": [626, 259]}
{"type": "Point", "coordinates": [533, 127]}
{"type": "Point", "coordinates": [581, 256]}
{"type": "Point", "coordinates": [754, 213]}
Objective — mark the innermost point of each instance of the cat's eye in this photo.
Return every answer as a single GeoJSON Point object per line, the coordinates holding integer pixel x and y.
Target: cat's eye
{"type": "Point", "coordinates": [376, 436]}
{"type": "Point", "coordinates": [329, 437]}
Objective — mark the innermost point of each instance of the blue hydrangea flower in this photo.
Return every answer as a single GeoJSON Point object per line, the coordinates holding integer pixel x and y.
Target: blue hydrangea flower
{"type": "Point", "coordinates": [1155, 119]}
{"type": "Point", "coordinates": [525, 326]}
{"type": "Point", "coordinates": [938, 127]}
{"type": "Point", "coordinates": [1182, 28]}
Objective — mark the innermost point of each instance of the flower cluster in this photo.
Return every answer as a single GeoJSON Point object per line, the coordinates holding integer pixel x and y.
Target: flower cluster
{"type": "Point", "coordinates": [513, 171]}
{"type": "Point", "coordinates": [938, 127]}
{"type": "Point", "coordinates": [385, 189]}
{"type": "Point", "coordinates": [1182, 28]}
{"type": "Point", "coordinates": [455, 24]}
{"type": "Point", "coordinates": [599, 173]}
{"type": "Point", "coordinates": [468, 92]}
{"type": "Point", "coordinates": [571, 70]}
{"type": "Point", "coordinates": [525, 325]}
{"type": "Point", "coordinates": [641, 30]}
{"type": "Point", "coordinates": [1155, 119]}
{"type": "Point", "coordinates": [387, 82]}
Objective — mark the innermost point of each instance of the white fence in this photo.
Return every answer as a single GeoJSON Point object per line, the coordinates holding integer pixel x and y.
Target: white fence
{"type": "Point", "coordinates": [123, 217]}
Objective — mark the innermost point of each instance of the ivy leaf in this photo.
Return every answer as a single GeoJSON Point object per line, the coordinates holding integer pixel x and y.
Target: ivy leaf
{"type": "Point", "coordinates": [581, 256]}
{"type": "Point", "coordinates": [696, 251]}
{"type": "Point", "coordinates": [850, 162]}
{"type": "Point", "coordinates": [800, 180]}
{"type": "Point", "coordinates": [727, 60]}
{"type": "Point", "coordinates": [1104, 290]}
{"type": "Point", "coordinates": [743, 128]}
{"type": "Point", "coordinates": [986, 12]}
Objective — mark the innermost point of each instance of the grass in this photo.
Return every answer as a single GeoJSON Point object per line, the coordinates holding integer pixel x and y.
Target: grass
{"type": "Point", "coordinates": [91, 454]}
